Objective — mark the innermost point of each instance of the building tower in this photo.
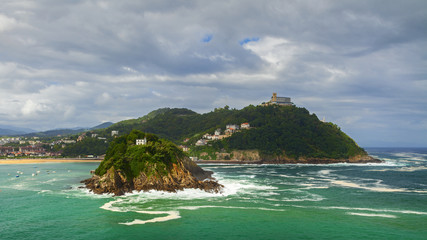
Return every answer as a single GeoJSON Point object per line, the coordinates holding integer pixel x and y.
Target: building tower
{"type": "Point", "coordinates": [274, 97]}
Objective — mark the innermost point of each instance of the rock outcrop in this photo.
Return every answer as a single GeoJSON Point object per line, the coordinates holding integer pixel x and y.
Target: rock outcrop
{"type": "Point", "coordinates": [157, 164]}
{"type": "Point", "coordinates": [185, 174]}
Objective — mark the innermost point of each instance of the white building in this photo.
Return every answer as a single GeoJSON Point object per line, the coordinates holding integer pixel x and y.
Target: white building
{"type": "Point", "coordinates": [245, 126]}
{"type": "Point", "coordinates": [114, 132]}
{"type": "Point", "coordinates": [217, 132]}
{"type": "Point", "coordinates": [141, 141]}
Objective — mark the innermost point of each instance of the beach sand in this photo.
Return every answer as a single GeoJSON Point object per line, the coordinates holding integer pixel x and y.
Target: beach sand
{"type": "Point", "coordinates": [45, 160]}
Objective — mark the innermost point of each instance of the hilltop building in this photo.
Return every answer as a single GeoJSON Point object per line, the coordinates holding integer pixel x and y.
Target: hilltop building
{"type": "Point", "coordinates": [114, 132]}
{"type": "Point", "coordinates": [275, 100]}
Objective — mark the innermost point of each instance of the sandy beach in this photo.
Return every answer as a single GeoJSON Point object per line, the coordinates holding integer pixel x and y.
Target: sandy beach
{"type": "Point", "coordinates": [45, 160]}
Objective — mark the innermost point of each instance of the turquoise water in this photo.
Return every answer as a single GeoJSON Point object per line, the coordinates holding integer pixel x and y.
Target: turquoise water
{"type": "Point", "coordinates": [338, 201]}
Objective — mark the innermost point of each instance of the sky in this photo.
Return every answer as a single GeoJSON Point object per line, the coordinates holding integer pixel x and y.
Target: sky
{"type": "Point", "coordinates": [359, 64]}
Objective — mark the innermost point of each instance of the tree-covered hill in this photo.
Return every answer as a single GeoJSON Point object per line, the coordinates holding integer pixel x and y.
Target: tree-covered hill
{"type": "Point", "coordinates": [275, 131]}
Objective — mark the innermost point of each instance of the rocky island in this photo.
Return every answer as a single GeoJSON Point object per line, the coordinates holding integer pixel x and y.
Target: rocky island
{"type": "Point", "coordinates": [142, 162]}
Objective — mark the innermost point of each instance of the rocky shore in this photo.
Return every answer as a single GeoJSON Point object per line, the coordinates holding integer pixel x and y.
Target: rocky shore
{"type": "Point", "coordinates": [184, 174]}
{"type": "Point", "coordinates": [301, 160]}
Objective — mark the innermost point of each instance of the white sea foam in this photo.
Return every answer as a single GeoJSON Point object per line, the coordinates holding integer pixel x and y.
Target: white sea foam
{"type": "Point", "coordinates": [365, 209]}
{"type": "Point", "coordinates": [375, 189]}
{"type": "Point", "coordinates": [403, 169]}
{"type": "Point", "coordinates": [325, 172]}
{"type": "Point", "coordinates": [171, 215]}
{"type": "Point", "coordinates": [44, 191]}
{"type": "Point", "coordinates": [371, 215]}
{"type": "Point", "coordinates": [230, 207]}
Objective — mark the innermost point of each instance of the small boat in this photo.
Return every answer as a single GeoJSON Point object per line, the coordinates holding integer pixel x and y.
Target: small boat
{"type": "Point", "coordinates": [17, 175]}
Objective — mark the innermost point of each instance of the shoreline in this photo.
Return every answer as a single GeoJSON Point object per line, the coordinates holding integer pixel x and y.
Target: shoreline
{"type": "Point", "coordinates": [309, 161]}
{"type": "Point", "coordinates": [46, 160]}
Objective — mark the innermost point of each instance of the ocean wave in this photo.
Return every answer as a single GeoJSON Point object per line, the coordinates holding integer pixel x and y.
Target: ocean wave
{"type": "Point", "coordinates": [371, 215]}
{"type": "Point", "coordinates": [364, 209]}
{"type": "Point", "coordinates": [378, 188]}
{"type": "Point", "coordinates": [230, 207]}
{"type": "Point", "coordinates": [403, 169]}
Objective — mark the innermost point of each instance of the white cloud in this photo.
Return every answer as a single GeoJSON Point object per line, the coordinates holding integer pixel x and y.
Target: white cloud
{"type": "Point", "coordinates": [32, 108]}
{"type": "Point", "coordinates": [6, 23]}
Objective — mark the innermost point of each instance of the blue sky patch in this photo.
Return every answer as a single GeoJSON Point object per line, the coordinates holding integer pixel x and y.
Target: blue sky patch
{"type": "Point", "coordinates": [207, 38]}
{"type": "Point", "coordinates": [246, 40]}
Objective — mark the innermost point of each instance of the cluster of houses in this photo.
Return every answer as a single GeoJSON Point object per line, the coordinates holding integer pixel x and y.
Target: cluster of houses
{"type": "Point", "coordinates": [9, 140]}
{"type": "Point", "coordinates": [30, 150]}
{"type": "Point", "coordinates": [30, 147]}
{"type": "Point", "coordinates": [217, 135]}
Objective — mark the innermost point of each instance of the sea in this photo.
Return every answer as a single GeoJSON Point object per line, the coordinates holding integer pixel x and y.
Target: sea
{"type": "Point", "coordinates": [293, 201]}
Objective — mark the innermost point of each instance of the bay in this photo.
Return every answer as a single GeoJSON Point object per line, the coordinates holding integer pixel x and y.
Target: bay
{"type": "Point", "coordinates": [336, 201]}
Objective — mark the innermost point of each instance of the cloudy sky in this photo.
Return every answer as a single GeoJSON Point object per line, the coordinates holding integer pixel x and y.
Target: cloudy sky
{"type": "Point", "coordinates": [359, 64]}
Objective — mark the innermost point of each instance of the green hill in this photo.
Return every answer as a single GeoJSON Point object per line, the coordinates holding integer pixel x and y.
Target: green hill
{"type": "Point", "coordinates": [276, 132]}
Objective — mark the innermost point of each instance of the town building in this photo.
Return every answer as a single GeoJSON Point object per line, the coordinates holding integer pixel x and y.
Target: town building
{"type": "Point", "coordinates": [114, 132]}
{"type": "Point", "coordinates": [6, 150]}
{"type": "Point", "coordinates": [81, 137]}
{"type": "Point", "coordinates": [31, 150]}
{"type": "Point", "coordinates": [245, 126]}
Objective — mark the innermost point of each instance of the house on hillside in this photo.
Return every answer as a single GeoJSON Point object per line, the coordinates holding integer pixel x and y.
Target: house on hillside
{"type": "Point", "coordinates": [233, 127]}
{"type": "Point", "coordinates": [81, 137]}
{"type": "Point", "coordinates": [245, 126]}
{"type": "Point", "coordinates": [217, 132]}
{"type": "Point", "coordinates": [141, 141]}
{"type": "Point", "coordinates": [201, 142]}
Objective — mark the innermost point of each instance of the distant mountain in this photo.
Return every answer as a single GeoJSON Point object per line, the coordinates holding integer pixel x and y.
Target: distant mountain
{"type": "Point", "coordinates": [55, 132]}
{"type": "Point", "coordinates": [6, 130]}
{"type": "Point", "coordinates": [67, 131]}
{"type": "Point", "coordinates": [102, 125]}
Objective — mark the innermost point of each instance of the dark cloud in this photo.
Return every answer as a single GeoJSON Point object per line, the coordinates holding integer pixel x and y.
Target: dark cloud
{"type": "Point", "coordinates": [360, 64]}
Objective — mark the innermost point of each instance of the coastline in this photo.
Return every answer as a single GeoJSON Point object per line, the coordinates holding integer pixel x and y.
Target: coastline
{"type": "Point", "coordinates": [291, 161]}
{"type": "Point", "coordinates": [46, 160]}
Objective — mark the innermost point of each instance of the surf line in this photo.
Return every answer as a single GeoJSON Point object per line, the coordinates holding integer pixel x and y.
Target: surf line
{"type": "Point", "coordinates": [171, 215]}
{"type": "Point", "coordinates": [375, 189]}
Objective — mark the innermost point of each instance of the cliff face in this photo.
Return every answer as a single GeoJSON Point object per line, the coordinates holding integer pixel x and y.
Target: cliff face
{"type": "Point", "coordinates": [185, 174]}
{"type": "Point", "coordinates": [253, 156]}
{"type": "Point", "coordinates": [156, 165]}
